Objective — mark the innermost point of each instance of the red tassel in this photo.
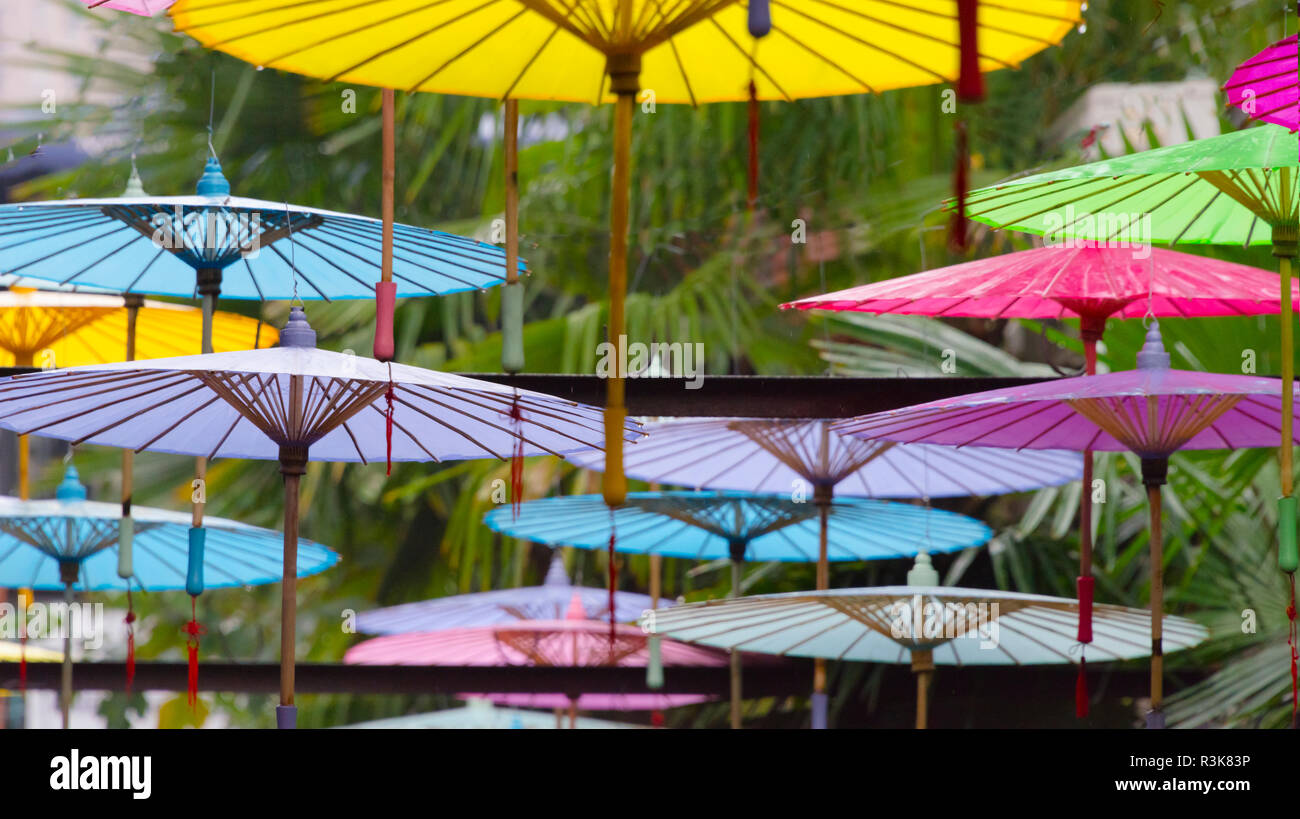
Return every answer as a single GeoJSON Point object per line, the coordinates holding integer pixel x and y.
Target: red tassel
{"type": "Point", "coordinates": [1295, 655]}
{"type": "Point", "coordinates": [970, 82]}
{"type": "Point", "coordinates": [752, 201]}
{"type": "Point", "coordinates": [388, 432]}
{"type": "Point", "coordinates": [958, 228]}
{"type": "Point", "coordinates": [194, 630]}
{"type": "Point", "coordinates": [1084, 585]}
{"type": "Point", "coordinates": [1081, 690]}
{"type": "Point", "coordinates": [130, 642]}
{"type": "Point", "coordinates": [517, 460]}
{"type": "Point", "coordinates": [657, 718]}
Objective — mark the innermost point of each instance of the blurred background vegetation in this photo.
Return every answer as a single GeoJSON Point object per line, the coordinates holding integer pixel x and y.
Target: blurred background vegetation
{"type": "Point", "coordinates": [865, 174]}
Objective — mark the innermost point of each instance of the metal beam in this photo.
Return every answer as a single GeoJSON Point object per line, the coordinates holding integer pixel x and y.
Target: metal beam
{"type": "Point", "coordinates": [746, 396]}
{"type": "Point", "coordinates": [759, 396]}
{"type": "Point", "coordinates": [327, 678]}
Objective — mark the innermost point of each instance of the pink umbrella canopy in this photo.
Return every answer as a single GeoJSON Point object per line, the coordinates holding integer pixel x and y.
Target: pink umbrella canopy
{"type": "Point", "coordinates": [145, 8]}
{"type": "Point", "coordinates": [1080, 280]}
{"type": "Point", "coordinates": [1265, 86]}
{"type": "Point", "coordinates": [573, 641]}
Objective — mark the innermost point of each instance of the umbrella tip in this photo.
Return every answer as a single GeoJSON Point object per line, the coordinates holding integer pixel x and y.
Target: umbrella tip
{"type": "Point", "coordinates": [134, 187]}
{"type": "Point", "coordinates": [297, 332]}
{"type": "Point", "coordinates": [1153, 356]}
{"type": "Point", "coordinates": [213, 182]}
{"type": "Point", "coordinates": [922, 572]}
{"type": "Point", "coordinates": [576, 610]}
{"type": "Point", "coordinates": [555, 574]}
{"type": "Point", "coordinates": [71, 489]}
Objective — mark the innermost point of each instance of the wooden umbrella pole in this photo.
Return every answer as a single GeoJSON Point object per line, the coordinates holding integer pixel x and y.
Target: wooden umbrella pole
{"type": "Point", "coordinates": [923, 667]}
{"type": "Point", "coordinates": [1288, 369]}
{"type": "Point", "coordinates": [822, 495]}
{"type": "Point", "coordinates": [624, 72]}
{"type": "Point", "coordinates": [133, 303]}
{"type": "Point", "coordinates": [68, 574]}
{"type": "Point", "coordinates": [24, 445]}
{"type": "Point", "coordinates": [209, 286]}
{"type": "Point", "coordinates": [1154, 475]}
{"type": "Point", "coordinates": [656, 579]}
{"type": "Point", "coordinates": [573, 712]}
{"type": "Point", "coordinates": [736, 563]}
{"type": "Point", "coordinates": [293, 464]}
{"type": "Point", "coordinates": [511, 147]}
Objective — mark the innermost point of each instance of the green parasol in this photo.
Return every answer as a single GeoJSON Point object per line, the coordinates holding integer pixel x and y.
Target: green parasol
{"type": "Point", "coordinates": [1236, 189]}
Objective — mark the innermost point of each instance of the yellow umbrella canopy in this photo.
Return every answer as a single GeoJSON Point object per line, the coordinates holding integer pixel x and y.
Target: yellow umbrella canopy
{"type": "Point", "coordinates": [597, 50]}
{"type": "Point", "coordinates": [61, 329]}
{"type": "Point", "coordinates": [691, 51]}
{"type": "Point", "coordinates": [11, 652]}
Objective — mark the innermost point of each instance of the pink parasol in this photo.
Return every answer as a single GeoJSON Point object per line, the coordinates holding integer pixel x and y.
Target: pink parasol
{"type": "Point", "coordinates": [144, 8]}
{"type": "Point", "coordinates": [573, 641]}
{"type": "Point", "coordinates": [1152, 411]}
{"type": "Point", "coordinates": [1265, 86]}
{"type": "Point", "coordinates": [1080, 280]}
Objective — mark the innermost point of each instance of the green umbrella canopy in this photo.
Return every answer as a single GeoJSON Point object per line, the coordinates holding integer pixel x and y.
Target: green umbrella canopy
{"type": "Point", "coordinates": [1235, 189]}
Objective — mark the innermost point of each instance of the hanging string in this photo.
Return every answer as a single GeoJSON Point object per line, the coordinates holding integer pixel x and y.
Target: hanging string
{"type": "Point", "coordinates": [388, 419]}
{"type": "Point", "coordinates": [1295, 652]}
{"type": "Point", "coordinates": [613, 580]}
{"type": "Point", "coordinates": [517, 460]}
{"type": "Point", "coordinates": [212, 109]}
{"type": "Point", "coordinates": [130, 640]}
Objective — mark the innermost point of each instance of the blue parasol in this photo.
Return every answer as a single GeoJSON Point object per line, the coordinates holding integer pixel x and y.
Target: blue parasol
{"type": "Point", "coordinates": [71, 542]}
{"type": "Point", "coordinates": [213, 243]}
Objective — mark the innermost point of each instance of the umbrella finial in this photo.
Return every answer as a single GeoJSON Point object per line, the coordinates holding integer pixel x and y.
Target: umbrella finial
{"type": "Point", "coordinates": [1153, 355]}
{"type": "Point", "coordinates": [297, 332]}
{"type": "Point", "coordinates": [923, 572]}
{"type": "Point", "coordinates": [134, 187]}
{"type": "Point", "coordinates": [71, 489]}
{"type": "Point", "coordinates": [555, 575]}
{"type": "Point", "coordinates": [576, 610]}
{"type": "Point", "coordinates": [213, 182]}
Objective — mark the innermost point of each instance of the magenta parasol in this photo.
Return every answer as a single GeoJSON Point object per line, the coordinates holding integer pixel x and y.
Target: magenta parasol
{"type": "Point", "coordinates": [1082, 280]}
{"type": "Point", "coordinates": [1265, 86]}
{"type": "Point", "coordinates": [1152, 411]}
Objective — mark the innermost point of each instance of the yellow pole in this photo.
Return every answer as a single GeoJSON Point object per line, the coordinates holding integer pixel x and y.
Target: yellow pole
{"type": "Point", "coordinates": [511, 146]}
{"type": "Point", "coordinates": [624, 71]}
